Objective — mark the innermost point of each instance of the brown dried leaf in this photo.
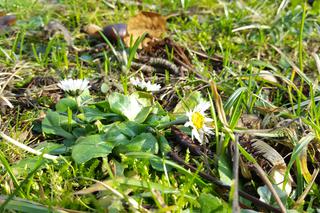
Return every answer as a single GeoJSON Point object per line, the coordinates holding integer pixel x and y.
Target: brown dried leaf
{"type": "Point", "coordinates": [268, 76]}
{"type": "Point", "coordinates": [279, 166]}
{"type": "Point", "coordinates": [153, 24]}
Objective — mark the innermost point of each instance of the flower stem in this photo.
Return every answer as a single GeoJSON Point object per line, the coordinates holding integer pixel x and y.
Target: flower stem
{"type": "Point", "coordinates": [171, 123]}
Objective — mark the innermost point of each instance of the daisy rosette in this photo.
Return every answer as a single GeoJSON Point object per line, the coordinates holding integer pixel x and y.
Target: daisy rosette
{"type": "Point", "coordinates": [200, 123]}
{"type": "Point", "coordinates": [147, 86]}
{"type": "Point", "coordinates": [74, 87]}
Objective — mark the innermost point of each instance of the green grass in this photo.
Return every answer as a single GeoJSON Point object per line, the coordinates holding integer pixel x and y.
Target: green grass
{"type": "Point", "coordinates": [98, 140]}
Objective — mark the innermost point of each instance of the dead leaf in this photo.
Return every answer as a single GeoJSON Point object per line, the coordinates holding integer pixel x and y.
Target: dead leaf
{"type": "Point", "coordinates": [268, 76]}
{"type": "Point", "coordinates": [153, 24]}
{"type": "Point", "coordinates": [279, 166]}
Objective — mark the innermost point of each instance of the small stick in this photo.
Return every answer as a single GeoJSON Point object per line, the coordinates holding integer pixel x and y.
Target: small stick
{"type": "Point", "coordinates": [235, 201]}
{"type": "Point", "coordinates": [264, 178]}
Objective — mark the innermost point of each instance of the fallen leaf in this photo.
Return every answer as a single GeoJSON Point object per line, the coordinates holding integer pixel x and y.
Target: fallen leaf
{"type": "Point", "coordinates": [153, 24]}
{"type": "Point", "coordinates": [268, 76]}
{"type": "Point", "coordinates": [279, 166]}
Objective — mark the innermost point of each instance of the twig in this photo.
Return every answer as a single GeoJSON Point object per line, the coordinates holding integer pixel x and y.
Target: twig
{"type": "Point", "coordinates": [264, 178]}
{"type": "Point", "coordinates": [217, 182]}
{"type": "Point", "coordinates": [235, 201]}
{"type": "Point", "coordinates": [27, 148]}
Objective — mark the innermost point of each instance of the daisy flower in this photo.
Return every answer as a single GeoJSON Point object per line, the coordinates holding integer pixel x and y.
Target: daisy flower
{"type": "Point", "coordinates": [74, 87]}
{"type": "Point", "coordinates": [201, 125]}
{"type": "Point", "coordinates": [148, 86]}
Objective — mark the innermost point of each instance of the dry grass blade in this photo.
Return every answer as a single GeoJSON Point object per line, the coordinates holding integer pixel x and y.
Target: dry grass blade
{"type": "Point", "coordinates": [283, 4]}
{"type": "Point", "coordinates": [267, 152]}
{"type": "Point", "coordinates": [268, 76]}
{"type": "Point", "coordinates": [5, 81]}
{"type": "Point", "coordinates": [317, 60]}
{"type": "Point", "coordinates": [252, 26]}
{"type": "Point", "coordinates": [219, 104]}
{"type": "Point", "coordinates": [304, 166]}
{"type": "Point", "coordinates": [26, 148]}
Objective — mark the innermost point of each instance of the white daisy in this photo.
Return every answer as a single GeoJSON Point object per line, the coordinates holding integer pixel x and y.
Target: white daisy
{"type": "Point", "coordinates": [74, 87]}
{"type": "Point", "coordinates": [148, 86]}
{"type": "Point", "coordinates": [152, 87]}
{"type": "Point", "coordinates": [201, 125]}
{"type": "Point", "coordinates": [135, 81]}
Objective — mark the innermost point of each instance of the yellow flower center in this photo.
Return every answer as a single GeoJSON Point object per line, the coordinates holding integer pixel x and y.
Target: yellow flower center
{"type": "Point", "coordinates": [197, 119]}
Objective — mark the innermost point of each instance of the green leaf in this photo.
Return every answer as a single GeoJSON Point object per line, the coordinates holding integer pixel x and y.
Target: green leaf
{"type": "Point", "coordinates": [266, 196]}
{"type": "Point", "coordinates": [210, 204]}
{"type": "Point", "coordinates": [23, 205]}
{"type": "Point", "coordinates": [159, 165]}
{"type": "Point", "coordinates": [65, 103]}
{"type": "Point", "coordinates": [124, 105]}
{"type": "Point", "coordinates": [52, 123]}
{"type": "Point", "coordinates": [131, 128]}
{"type": "Point", "coordinates": [302, 144]}
{"type": "Point", "coordinates": [154, 119]}
{"type": "Point", "coordinates": [143, 114]}
{"type": "Point", "coordinates": [92, 114]}
{"type": "Point", "coordinates": [144, 142]}
{"type": "Point", "coordinates": [189, 102]}
{"type": "Point", "coordinates": [144, 98]}
{"type": "Point", "coordinates": [52, 148]}
{"type": "Point", "coordinates": [164, 145]}
{"type": "Point", "coordinates": [129, 107]}
{"type": "Point", "coordinates": [103, 106]}
{"type": "Point", "coordinates": [115, 135]}
{"type": "Point", "coordinates": [89, 147]}
{"type": "Point", "coordinates": [225, 170]}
